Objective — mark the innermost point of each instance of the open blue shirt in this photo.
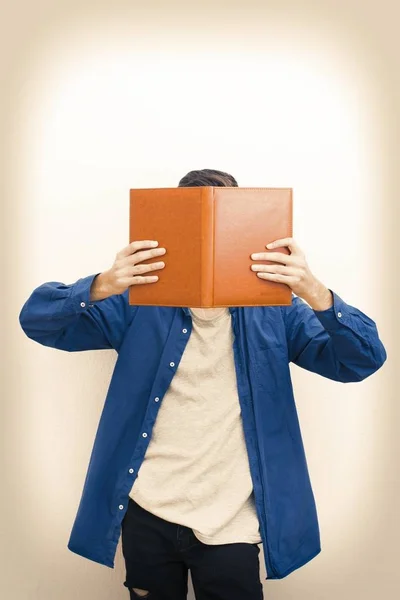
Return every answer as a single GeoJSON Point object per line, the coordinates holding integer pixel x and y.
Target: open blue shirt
{"type": "Point", "coordinates": [341, 343]}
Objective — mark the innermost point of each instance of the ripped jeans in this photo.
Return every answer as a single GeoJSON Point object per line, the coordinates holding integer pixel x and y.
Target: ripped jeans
{"type": "Point", "coordinates": [158, 555]}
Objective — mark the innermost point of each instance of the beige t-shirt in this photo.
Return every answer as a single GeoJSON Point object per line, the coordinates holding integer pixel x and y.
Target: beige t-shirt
{"type": "Point", "coordinates": [196, 468]}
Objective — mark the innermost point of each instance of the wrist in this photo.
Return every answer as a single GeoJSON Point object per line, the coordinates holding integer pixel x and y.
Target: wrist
{"type": "Point", "coordinates": [319, 297]}
{"type": "Point", "coordinates": [99, 290]}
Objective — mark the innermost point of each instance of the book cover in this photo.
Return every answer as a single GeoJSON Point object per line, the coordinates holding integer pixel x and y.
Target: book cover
{"type": "Point", "coordinates": [209, 234]}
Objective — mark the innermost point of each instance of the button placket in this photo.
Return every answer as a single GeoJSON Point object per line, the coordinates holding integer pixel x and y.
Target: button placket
{"type": "Point", "coordinates": [156, 399]}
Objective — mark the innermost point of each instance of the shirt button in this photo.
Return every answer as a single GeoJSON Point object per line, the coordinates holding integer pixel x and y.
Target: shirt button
{"type": "Point", "coordinates": [339, 314]}
{"type": "Point", "coordinates": [184, 330]}
{"type": "Point", "coordinates": [121, 506]}
{"type": "Point", "coordinates": [156, 398]}
{"type": "Point", "coordinates": [83, 304]}
{"type": "Point", "coordinates": [171, 364]}
{"type": "Point", "coordinates": [144, 434]}
{"type": "Point", "coordinates": [130, 470]}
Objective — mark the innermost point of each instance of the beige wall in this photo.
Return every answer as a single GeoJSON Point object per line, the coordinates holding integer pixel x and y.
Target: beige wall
{"type": "Point", "coordinates": [98, 97]}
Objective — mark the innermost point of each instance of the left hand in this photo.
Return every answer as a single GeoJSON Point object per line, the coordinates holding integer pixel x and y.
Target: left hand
{"type": "Point", "coordinates": [293, 270]}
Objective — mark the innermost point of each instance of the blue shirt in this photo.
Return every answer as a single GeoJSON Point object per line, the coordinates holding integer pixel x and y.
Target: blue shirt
{"type": "Point", "coordinates": [341, 343]}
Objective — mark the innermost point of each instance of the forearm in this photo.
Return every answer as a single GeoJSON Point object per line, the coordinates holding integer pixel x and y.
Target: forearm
{"type": "Point", "coordinates": [340, 342]}
{"type": "Point", "coordinates": [69, 317]}
{"type": "Point", "coordinates": [53, 307]}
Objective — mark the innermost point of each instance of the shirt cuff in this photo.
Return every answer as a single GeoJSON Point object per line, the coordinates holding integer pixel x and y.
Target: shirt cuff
{"type": "Point", "coordinates": [79, 298]}
{"type": "Point", "coordinates": [336, 315]}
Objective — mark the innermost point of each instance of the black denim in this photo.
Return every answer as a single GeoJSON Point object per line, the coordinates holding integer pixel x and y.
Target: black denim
{"type": "Point", "coordinates": [158, 555]}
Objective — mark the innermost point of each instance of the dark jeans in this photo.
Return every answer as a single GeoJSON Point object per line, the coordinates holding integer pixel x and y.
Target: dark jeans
{"type": "Point", "coordinates": [158, 555]}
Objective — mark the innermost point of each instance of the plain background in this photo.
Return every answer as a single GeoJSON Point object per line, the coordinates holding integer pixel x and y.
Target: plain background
{"type": "Point", "coordinates": [98, 97]}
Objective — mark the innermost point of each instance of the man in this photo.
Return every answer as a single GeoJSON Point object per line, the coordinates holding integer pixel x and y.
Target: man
{"type": "Point", "coordinates": [198, 457]}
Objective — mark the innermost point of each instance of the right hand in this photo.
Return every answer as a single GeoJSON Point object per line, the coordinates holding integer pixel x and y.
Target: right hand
{"type": "Point", "coordinates": [127, 271]}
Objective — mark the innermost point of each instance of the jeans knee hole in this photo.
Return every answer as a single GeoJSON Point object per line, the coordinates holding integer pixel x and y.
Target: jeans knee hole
{"type": "Point", "coordinates": [140, 593]}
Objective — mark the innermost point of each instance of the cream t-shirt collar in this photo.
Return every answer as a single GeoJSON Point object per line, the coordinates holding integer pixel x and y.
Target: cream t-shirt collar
{"type": "Point", "coordinates": [209, 314]}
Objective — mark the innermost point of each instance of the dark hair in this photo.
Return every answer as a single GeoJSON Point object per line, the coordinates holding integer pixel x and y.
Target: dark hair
{"type": "Point", "coordinates": [208, 177]}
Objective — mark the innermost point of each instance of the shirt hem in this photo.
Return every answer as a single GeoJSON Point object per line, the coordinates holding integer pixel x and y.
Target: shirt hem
{"type": "Point", "coordinates": [212, 541]}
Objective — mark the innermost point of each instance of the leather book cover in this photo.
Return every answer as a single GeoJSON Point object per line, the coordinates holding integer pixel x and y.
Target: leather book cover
{"type": "Point", "coordinates": [209, 234]}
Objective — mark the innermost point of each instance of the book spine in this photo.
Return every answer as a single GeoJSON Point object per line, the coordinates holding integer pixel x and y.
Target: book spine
{"type": "Point", "coordinates": [207, 247]}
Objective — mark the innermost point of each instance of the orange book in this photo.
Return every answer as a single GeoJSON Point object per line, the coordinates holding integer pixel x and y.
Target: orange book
{"type": "Point", "coordinates": [209, 234]}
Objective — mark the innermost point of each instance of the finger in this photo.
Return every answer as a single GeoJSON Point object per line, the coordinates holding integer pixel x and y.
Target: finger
{"type": "Point", "coordinates": [142, 255]}
{"type": "Point", "coordinates": [282, 269]}
{"type": "Point", "coordinates": [277, 277]}
{"type": "Point", "coordinates": [272, 269]}
{"type": "Point", "coordinates": [289, 241]}
{"type": "Point", "coordinates": [138, 269]}
{"type": "Point", "coordinates": [274, 256]}
{"type": "Point", "coordinates": [136, 245]}
{"type": "Point", "coordinates": [139, 279]}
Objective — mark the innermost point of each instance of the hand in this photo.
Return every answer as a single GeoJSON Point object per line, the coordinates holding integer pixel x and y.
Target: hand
{"type": "Point", "coordinates": [126, 271]}
{"type": "Point", "coordinates": [294, 272]}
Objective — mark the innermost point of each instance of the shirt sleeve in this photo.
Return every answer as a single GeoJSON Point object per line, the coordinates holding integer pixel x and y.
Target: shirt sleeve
{"type": "Point", "coordinates": [60, 316]}
{"type": "Point", "coordinates": [341, 342]}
